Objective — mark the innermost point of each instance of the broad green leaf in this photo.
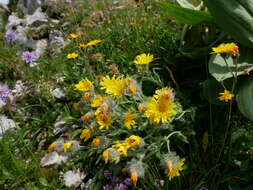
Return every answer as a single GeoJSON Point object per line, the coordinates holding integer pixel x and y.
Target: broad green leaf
{"type": "Point", "coordinates": [185, 15]}
{"type": "Point", "coordinates": [245, 98]}
{"type": "Point", "coordinates": [221, 70]}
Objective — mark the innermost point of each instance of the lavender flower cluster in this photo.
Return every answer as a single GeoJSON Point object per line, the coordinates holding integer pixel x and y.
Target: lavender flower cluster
{"type": "Point", "coordinates": [115, 182]}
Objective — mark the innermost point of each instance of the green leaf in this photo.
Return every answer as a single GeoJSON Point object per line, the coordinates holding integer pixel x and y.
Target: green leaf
{"type": "Point", "coordinates": [221, 71]}
{"type": "Point", "coordinates": [245, 98]}
{"type": "Point", "coordinates": [185, 15]}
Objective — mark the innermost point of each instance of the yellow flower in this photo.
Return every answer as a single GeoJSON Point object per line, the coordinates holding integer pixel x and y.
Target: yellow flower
{"type": "Point", "coordinates": [72, 55]}
{"type": "Point", "coordinates": [141, 107]}
{"type": "Point", "coordinates": [113, 86]}
{"type": "Point", "coordinates": [225, 96]}
{"type": "Point", "coordinates": [97, 101]}
{"type": "Point", "coordinates": [129, 119]}
{"type": "Point", "coordinates": [134, 177]}
{"type": "Point", "coordinates": [84, 85]}
{"type": "Point", "coordinates": [86, 96]}
{"type": "Point", "coordinates": [111, 154]}
{"type": "Point", "coordinates": [173, 167]}
{"type": "Point", "coordinates": [133, 89]}
{"type": "Point", "coordinates": [229, 48]}
{"type": "Point", "coordinates": [68, 145]}
{"type": "Point", "coordinates": [85, 118]}
{"type": "Point", "coordinates": [91, 43]}
{"type": "Point", "coordinates": [73, 36]}
{"type": "Point", "coordinates": [95, 142]}
{"type": "Point", "coordinates": [143, 59]}
{"type": "Point", "coordinates": [86, 133]}
{"type": "Point", "coordinates": [121, 148]}
{"type": "Point", "coordinates": [106, 155]}
{"type": "Point", "coordinates": [133, 141]}
{"type": "Point", "coordinates": [103, 119]}
{"type": "Point", "coordinates": [161, 107]}
{"type": "Point", "coordinates": [51, 147]}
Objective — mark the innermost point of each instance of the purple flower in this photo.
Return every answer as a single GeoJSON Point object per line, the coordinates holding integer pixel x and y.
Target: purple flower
{"type": "Point", "coordinates": [107, 174]}
{"type": "Point", "coordinates": [122, 186]}
{"type": "Point", "coordinates": [29, 57]}
{"type": "Point", "coordinates": [107, 187]}
{"type": "Point", "coordinates": [4, 92]}
{"type": "Point", "coordinates": [9, 35]}
{"type": "Point", "coordinates": [203, 188]}
{"type": "Point", "coordinates": [128, 181]}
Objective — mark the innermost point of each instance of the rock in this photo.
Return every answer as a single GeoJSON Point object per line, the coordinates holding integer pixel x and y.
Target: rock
{"type": "Point", "coordinates": [73, 178]}
{"type": "Point", "coordinates": [56, 41]}
{"type": "Point", "coordinates": [6, 125]}
{"type": "Point", "coordinates": [58, 93]}
{"type": "Point", "coordinates": [41, 46]}
{"type": "Point", "coordinates": [53, 158]}
{"type": "Point", "coordinates": [36, 19]}
{"type": "Point", "coordinates": [59, 127]}
{"type": "Point", "coordinates": [13, 20]}
{"type": "Point", "coordinates": [29, 6]}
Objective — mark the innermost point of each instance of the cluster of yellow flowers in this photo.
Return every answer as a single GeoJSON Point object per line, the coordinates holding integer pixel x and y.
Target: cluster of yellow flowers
{"type": "Point", "coordinates": [73, 36]}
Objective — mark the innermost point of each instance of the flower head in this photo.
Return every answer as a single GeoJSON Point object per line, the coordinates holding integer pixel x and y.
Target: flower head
{"type": "Point", "coordinates": [113, 86]}
{"type": "Point", "coordinates": [134, 141]}
{"type": "Point", "coordinates": [9, 36]}
{"type": "Point", "coordinates": [129, 119]}
{"type": "Point", "coordinates": [29, 57]}
{"type": "Point", "coordinates": [161, 107]}
{"type": "Point", "coordinates": [4, 92]}
{"type": "Point", "coordinates": [73, 36]}
{"type": "Point", "coordinates": [86, 96]}
{"type": "Point", "coordinates": [97, 101]}
{"type": "Point", "coordinates": [84, 85]}
{"type": "Point", "coordinates": [121, 148]}
{"type": "Point", "coordinates": [136, 170]}
{"type": "Point", "coordinates": [68, 145]}
{"type": "Point", "coordinates": [51, 147]}
{"type": "Point", "coordinates": [103, 119]}
{"type": "Point", "coordinates": [91, 43]}
{"type": "Point", "coordinates": [173, 164]}
{"type": "Point", "coordinates": [110, 154]}
{"type": "Point", "coordinates": [72, 55]}
{"type": "Point", "coordinates": [225, 96]}
{"type": "Point", "coordinates": [95, 142]}
{"type": "Point", "coordinates": [85, 118]}
{"type": "Point", "coordinates": [229, 48]}
{"type": "Point", "coordinates": [122, 186]}
{"type": "Point", "coordinates": [143, 59]}
{"type": "Point", "coordinates": [86, 133]}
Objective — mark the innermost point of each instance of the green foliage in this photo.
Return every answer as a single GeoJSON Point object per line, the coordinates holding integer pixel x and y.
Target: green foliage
{"type": "Point", "coordinates": [185, 15]}
{"type": "Point", "coordinates": [234, 17]}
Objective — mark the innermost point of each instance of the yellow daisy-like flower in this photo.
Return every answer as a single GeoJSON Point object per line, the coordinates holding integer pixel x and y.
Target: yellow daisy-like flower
{"type": "Point", "coordinates": [103, 119]}
{"type": "Point", "coordinates": [121, 148]}
{"type": "Point", "coordinates": [161, 107]}
{"type": "Point", "coordinates": [86, 133]}
{"type": "Point", "coordinates": [95, 142]}
{"type": "Point", "coordinates": [68, 145]}
{"type": "Point", "coordinates": [111, 154]}
{"type": "Point", "coordinates": [133, 89]}
{"type": "Point", "coordinates": [73, 36]}
{"type": "Point", "coordinates": [173, 167]}
{"type": "Point", "coordinates": [129, 119]}
{"type": "Point", "coordinates": [134, 177]}
{"type": "Point", "coordinates": [51, 147]}
{"type": "Point", "coordinates": [133, 141]}
{"type": "Point", "coordinates": [113, 86]}
{"type": "Point", "coordinates": [229, 48]}
{"type": "Point", "coordinates": [143, 59]}
{"type": "Point", "coordinates": [225, 96]}
{"type": "Point", "coordinates": [141, 107]}
{"type": "Point", "coordinates": [97, 101]}
{"type": "Point", "coordinates": [84, 85]}
{"type": "Point", "coordinates": [91, 43]}
{"type": "Point", "coordinates": [72, 55]}
{"type": "Point", "coordinates": [85, 118]}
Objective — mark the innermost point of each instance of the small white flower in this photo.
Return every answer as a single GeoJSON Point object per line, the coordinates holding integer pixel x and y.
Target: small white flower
{"type": "Point", "coordinates": [73, 178]}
